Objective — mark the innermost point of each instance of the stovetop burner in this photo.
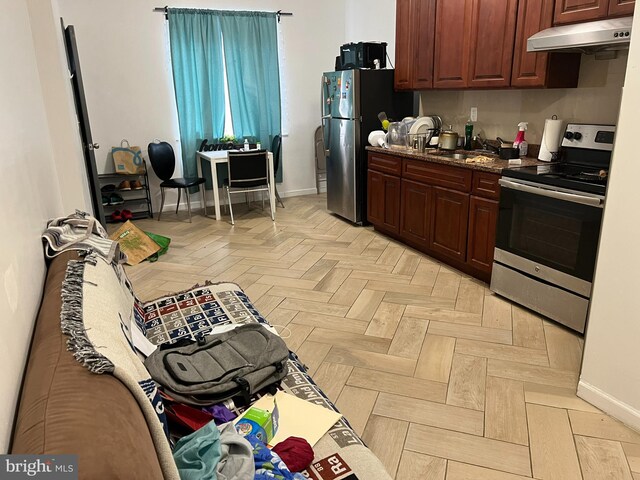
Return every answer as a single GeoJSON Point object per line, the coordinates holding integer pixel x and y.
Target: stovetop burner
{"type": "Point", "coordinates": [578, 173]}
{"type": "Point", "coordinates": [562, 175]}
{"type": "Point", "coordinates": [584, 165]}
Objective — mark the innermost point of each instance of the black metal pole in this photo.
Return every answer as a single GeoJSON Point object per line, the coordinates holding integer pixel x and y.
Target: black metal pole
{"type": "Point", "coordinates": [165, 10]}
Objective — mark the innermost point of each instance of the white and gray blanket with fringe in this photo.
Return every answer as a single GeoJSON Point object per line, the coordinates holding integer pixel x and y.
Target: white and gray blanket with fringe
{"type": "Point", "coordinates": [97, 306]}
{"type": "Point", "coordinates": [83, 232]}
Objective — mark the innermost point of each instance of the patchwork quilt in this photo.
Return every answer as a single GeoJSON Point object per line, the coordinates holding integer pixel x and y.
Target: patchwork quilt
{"type": "Point", "coordinates": [340, 454]}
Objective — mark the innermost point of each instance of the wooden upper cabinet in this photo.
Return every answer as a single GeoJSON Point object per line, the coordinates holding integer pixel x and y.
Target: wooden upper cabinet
{"type": "Point", "coordinates": [404, 45]}
{"type": "Point", "coordinates": [451, 54]}
{"type": "Point", "coordinates": [540, 69]}
{"type": "Point", "coordinates": [493, 28]}
{"type": "Point", "coordinates": [619, 8]}
{"type": "Point", "coordinates": [424, 22]}
{"type": "Point", "coordinates": [415, 20]}
{"type": "Point", "coordinates": [572, 11]}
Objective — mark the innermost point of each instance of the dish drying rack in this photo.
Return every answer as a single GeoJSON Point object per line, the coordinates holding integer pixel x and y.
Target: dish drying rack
{"type": "Point", "coordinates": [420, 141]}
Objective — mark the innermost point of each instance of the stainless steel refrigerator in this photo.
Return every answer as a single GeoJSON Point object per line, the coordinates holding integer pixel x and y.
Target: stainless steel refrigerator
{"type": "Point", "coordinates": [351, 101]}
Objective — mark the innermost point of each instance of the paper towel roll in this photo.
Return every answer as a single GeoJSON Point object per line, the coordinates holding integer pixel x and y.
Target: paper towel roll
{"type": "Point", "coordinates": [551, 138]}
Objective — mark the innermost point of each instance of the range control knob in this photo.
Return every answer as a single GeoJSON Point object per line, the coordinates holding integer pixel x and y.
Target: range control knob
{"type": "Point", "coordinates": [577, 136]}
{"type": "Point", "coordinates": [568, 135]}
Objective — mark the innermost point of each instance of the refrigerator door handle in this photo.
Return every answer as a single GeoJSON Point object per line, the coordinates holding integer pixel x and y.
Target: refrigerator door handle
{"type": "Point", "coordinates": [324, 118]}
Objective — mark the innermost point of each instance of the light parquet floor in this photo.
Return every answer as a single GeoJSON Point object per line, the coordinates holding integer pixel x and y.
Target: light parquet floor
{"type": "Point", "coordinates": [443, 379]}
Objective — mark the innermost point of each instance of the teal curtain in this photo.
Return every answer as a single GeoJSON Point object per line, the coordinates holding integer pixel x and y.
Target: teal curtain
{"type": "Point", "coordinates": [253, 77]}
{"type": "Point", "coordinates": [198, 77]}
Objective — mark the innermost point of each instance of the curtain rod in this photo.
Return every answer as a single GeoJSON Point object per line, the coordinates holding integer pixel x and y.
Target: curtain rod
{"type": "Point", "coordinates": [165, 10]}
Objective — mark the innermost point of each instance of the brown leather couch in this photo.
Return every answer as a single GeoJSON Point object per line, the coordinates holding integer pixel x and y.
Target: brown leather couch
{"type": "Point", "coordinates": [65, 409]}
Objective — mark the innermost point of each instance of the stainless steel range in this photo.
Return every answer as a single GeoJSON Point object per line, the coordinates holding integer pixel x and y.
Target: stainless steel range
{"type": "Point", "coordinates": [549, 226]}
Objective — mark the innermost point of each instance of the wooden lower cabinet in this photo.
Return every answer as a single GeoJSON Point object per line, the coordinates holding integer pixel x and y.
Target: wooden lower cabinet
{"type": "Point", "coordinates": [415, 212]}
{"type": "Point", "coordinates": [444, 211]}
{"type": "Point", "coordinates": [383, 202]}
{"type": "Point", "coordinates": [449, 222]}
{"type": "Point", "coordinates": [483, 218]}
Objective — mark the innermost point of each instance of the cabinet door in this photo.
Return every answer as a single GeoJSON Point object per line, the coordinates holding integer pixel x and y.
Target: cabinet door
{"type": "Point", "coordinates": [451, 55]}
{"type": "Point", "coordinates": [375, 197]}
{"type": "Point", "coordinates": [621, 7]}
{"type": "Point", "coordinates": [571, 11]}
{"type": "Point", "coordinates": [383, 202]}
{"type": "Point", "coordinates": [404, 45]}
{"type": "Point", "coordinates": [415, 212]}
{"type": "Point", "coordinates": [552, 70]}
{"type": "Point", "coordinates": [530, 69]}
{"type": "Point", "coordinates": [424, 34]}
{"type": "Point", "coordinates": [449, 222]}
{"type": "Point", "coordinates": [493, 28]}
{"type": "Point", "coordinates": [483, 217]}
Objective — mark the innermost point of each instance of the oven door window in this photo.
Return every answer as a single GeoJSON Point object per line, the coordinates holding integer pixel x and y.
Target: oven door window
{"type": "Point", "coordinates": [557, 233]}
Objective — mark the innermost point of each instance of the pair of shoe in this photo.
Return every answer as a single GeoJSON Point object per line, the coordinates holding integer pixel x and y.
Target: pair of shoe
{"type": "Point", "coordinates": [113, 199]}
{"type": "Point", "coordinates": [121, 216]}
{"type": "Point", "coordinates": [130, 185]}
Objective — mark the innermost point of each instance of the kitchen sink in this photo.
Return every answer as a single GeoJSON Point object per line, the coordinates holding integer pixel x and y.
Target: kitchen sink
{"type": "Point", "coordinates": [457, 156]}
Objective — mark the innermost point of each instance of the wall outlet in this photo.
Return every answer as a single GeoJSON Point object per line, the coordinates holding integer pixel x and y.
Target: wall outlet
{"type": "Point", "coordinates": [474, 114]}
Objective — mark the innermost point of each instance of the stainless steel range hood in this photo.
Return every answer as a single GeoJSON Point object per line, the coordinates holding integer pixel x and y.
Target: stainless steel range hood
{"type": "Point", "coordinates": [591, 37]}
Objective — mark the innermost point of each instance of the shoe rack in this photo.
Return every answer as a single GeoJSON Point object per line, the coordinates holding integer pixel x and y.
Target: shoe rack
{"type": "Point", "coordinates": [137, 201]}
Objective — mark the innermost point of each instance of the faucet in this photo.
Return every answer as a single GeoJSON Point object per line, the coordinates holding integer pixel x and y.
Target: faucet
{"type": "Point", "coordinates": [485, 144]}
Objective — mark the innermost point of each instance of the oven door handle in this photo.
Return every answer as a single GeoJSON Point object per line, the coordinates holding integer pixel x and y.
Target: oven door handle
{"type": "Point", "coordinates": [569, 197]}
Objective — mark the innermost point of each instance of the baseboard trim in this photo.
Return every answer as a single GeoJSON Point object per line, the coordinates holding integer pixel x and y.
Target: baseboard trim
{"type": "Point", "coordinates": [627, 414]}
{"type": "Point", "coordinates": [298, 193]}
{"type": "Point", "coordinates": [238, 198]}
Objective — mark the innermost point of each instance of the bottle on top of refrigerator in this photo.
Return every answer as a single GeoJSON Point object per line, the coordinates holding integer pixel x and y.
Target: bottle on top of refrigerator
{"type": "Point", "coordinates": [520, 143]}
{"type": "Point", "coordinates": [246, 144]}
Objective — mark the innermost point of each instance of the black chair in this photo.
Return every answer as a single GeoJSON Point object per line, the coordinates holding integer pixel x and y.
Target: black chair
{"type": "Point", "coordinates": [276, 149]}
{"type": "Point", "coordinates": [248, 172]}
{"type": "Point", "coordinates": [163, 162]}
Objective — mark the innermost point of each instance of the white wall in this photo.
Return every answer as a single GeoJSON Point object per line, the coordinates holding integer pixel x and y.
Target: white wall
{"type": "Point", "coordinates": [29, 197]}
{"type": "Point", "coordinates": [610, 377]}
{"type": "Point", "coordinates": [125, 61]}
{"type": "Point", "coordinates": [372, 21]}
{"type": "Point", "coordinates": [58, 101]}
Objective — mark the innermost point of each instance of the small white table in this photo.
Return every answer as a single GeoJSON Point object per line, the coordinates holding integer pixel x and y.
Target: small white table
{"type": "Point", "coordinates": [221, 156]}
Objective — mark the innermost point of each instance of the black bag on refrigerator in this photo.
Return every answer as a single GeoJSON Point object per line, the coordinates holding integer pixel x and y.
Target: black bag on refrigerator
{"type": "Point", "coordinates": [362, 55]}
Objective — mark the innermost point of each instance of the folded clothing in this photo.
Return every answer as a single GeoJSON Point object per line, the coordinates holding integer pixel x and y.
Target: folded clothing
{"type": "Point", "coordinates": [268, 464]}
{"type": "Point", "coordinates": [214, 452]}
{"type": "Point", "coordinates": [295, 452]}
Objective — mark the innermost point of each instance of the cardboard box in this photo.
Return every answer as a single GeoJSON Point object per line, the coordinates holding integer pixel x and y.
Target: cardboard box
{"type": "Point", "coordinates": [261, 423]}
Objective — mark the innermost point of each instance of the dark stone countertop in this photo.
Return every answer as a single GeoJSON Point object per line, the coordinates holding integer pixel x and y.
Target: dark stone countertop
{"type": "Point", "coordinates": [435, 156]}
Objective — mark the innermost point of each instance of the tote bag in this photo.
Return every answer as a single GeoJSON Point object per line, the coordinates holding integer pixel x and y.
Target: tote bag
{"type": "Point", "coordinates": [127, 160]}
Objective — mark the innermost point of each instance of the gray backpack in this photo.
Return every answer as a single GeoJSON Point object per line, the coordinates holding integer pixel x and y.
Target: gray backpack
{"type": "Point", "coordinates": [239, 362]}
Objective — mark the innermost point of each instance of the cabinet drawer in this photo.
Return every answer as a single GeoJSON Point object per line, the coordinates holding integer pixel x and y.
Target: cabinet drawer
{"type": "Point", "coordinates": [436, 174]}
{"type": "Point", "coordinates": [385, 163]}
{"type": "Point", "coordinates": [486, 185]}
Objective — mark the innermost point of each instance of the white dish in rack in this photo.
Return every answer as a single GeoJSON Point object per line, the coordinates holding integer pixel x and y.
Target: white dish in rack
{"type": "Point", "coordinates": [422, 125]}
